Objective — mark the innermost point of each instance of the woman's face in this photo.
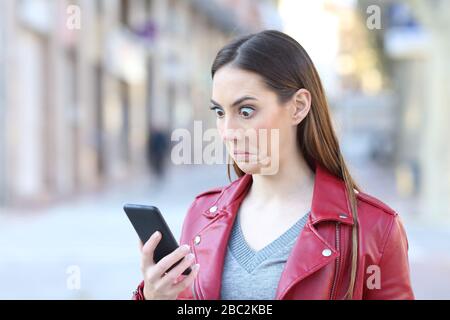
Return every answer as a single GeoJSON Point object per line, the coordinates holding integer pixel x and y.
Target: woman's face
{"type": "Point", "coordinates": [243, 105]}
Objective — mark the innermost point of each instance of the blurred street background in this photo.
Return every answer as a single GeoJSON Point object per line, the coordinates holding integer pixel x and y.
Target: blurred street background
{"type": "Point", "coordinates": [91, 90]}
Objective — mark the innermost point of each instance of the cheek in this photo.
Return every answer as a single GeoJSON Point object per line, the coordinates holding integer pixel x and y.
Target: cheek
{"type": "Point", "coordinates": [272, 117]}
{"type": "Point", "coordinates": [274, 121]}
{"type": "Point", "coordinates": [281, 121]}
{"type": "Point", "coordinates": [277, 130]}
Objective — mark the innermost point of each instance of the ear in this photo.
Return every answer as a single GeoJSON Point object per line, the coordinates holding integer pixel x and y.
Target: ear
{"type": "Point", "coordinates": [301, 103]}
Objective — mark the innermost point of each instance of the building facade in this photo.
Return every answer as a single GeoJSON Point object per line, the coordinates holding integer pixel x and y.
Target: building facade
{"type": "Point", "coordinates": [82, 83]}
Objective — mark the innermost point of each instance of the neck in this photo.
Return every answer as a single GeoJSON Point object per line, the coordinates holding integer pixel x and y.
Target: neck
{"type": "Point", "coordinates": [294, 181]}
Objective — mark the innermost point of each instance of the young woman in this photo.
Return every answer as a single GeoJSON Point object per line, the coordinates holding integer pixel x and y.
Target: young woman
{"type": "Point", "coordinates": [303, 232]}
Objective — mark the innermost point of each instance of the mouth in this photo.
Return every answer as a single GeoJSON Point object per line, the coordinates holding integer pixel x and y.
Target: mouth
{"type": "Point", "coordinates": [244, 156]}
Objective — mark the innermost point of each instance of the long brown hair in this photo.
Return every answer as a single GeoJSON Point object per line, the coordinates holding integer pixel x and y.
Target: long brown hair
{"type": "Point", "coordinates": [286, 67]}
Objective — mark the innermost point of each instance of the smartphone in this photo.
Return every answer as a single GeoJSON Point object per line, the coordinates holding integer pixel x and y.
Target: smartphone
{"type": "Point", "coordinates": [148, 219]}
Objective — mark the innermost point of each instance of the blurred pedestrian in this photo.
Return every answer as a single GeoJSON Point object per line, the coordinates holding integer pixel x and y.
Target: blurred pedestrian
{"type": "Point", "coordinates": [157, 148]}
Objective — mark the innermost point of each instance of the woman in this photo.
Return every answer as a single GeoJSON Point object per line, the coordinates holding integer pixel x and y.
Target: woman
{"type": "Point", "coordinates": [303, 232]}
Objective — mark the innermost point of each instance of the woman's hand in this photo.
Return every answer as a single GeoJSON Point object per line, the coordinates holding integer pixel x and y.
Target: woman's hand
{"type": "Point", "coordinates": [159, 285]}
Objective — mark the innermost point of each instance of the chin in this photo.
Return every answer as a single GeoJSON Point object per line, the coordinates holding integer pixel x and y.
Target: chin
{"type": "Point", "coordinates": [249, 168]}
{"type": "Point", "coordinates": [266, 168]}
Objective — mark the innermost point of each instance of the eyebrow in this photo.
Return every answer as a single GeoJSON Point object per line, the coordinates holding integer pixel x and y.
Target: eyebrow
{"type": "Point", "coordinates": [238, 101]}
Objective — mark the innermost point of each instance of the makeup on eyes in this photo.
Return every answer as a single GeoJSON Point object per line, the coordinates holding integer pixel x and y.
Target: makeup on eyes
{"type": "Point", "coordinates": [248, 109]}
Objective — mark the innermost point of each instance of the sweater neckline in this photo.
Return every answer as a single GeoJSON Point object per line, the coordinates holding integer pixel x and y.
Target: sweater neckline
{"type": "Point", "coordinates": [250, 258]}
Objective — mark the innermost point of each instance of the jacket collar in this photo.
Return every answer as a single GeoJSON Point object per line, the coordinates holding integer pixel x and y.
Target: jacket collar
{"type": "Point", "coordinates": [329, 202]}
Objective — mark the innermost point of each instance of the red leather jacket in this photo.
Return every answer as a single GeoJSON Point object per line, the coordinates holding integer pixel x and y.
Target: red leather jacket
{"type": "Point", "coordinates": [319, 264]}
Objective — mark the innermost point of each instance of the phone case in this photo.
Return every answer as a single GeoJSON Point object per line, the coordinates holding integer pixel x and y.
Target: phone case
{"type": "Point", "coordinates": [148, 219]}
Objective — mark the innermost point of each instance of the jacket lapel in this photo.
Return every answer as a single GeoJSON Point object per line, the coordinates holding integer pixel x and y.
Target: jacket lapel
{"type": "Point", "coordinates": [306, 258]}
{"type": "Point", "coordinates": [214, 237]}
{"type": "Point", "coordinates": [309, 253]}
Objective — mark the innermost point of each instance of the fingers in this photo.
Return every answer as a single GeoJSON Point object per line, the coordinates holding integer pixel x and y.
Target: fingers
{"type": "Point", "coordinates": [186, 282]}
{"type": "Point", "coordinates": [157, 270]}
{"type": "Point", "coordinates": [173, 257]}
{"type": "Point", "coordinates": [173, 274]}
{"type": "Point", "coordinates": [148, 249]}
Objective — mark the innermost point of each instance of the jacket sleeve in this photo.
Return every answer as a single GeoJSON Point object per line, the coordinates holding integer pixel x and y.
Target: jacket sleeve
{"type": "Point", "coordinates": [138, 294]}
{"type": "Point", "coordinates": [393, 267]}
{"type": "Point", "coordinates": [186, 294]}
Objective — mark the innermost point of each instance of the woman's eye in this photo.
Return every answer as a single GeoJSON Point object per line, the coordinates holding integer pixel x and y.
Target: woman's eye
{"type": "Point", "coordinates": [219, 112]}
{"type": "Point", "coordinates": [246, 112]}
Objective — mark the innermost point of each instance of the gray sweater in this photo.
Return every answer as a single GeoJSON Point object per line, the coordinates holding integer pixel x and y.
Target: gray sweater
{"type": "Point", "coordinates": [249, 274]}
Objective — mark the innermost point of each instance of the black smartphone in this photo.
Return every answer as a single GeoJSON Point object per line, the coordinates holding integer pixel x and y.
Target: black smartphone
{"type": "Point", "coordinates": [148, 219]}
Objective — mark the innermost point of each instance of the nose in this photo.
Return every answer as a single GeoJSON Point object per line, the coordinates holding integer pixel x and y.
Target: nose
{"type": "Point", "coordinates": [230, 130]}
